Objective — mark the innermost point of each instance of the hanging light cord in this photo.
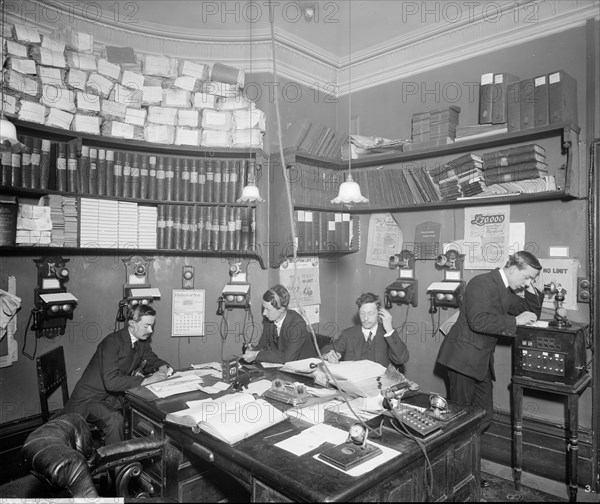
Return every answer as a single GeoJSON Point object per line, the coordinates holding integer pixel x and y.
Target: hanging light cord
{"type": "Point", "coordinates": [377, 432]}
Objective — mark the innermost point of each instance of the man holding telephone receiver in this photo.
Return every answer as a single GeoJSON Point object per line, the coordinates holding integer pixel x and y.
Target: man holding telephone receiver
{"type": "Point", "coordinates": [373, 339]}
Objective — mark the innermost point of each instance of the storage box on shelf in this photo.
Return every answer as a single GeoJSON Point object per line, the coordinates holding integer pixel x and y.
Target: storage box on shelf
{"type": "Point", "coordinates": [144, 196]}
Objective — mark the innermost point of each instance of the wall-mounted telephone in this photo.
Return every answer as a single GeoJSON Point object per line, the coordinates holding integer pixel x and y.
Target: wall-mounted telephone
{"type": "Point", "coordinates": [137, 288]}
{"type": "Point", "coordinates": [404, 289]}
{"type": "Point", "coordinates": [449, 292]}
{"type": "Point", "coordinates": [236, 293]}
{"type": "Point", "coordinates": [560, 313]}
{"type": "Point", "coordinates": [53, 305]}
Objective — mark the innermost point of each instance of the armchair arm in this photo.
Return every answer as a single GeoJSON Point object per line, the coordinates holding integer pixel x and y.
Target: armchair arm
{"type": "Point", "coordinates": [125, 452]}
{"type": "Point", "coordinates": [57, 453]}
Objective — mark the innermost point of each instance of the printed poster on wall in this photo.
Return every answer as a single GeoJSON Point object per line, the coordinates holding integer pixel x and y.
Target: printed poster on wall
{"type": "Point", "coordinates": [486, 237]}
{"type": "Point", "coordinates": [304, 289]}
{"type": "Point", "coordinates": [384, 239]}
{"type": "Point", "coordinates": [563, 274]}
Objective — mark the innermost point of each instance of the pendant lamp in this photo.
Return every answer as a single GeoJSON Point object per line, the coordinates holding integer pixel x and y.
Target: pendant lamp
{"type": "Point", "coordinates": [250, 192]}
{"type": "Point", "coordinates": [349, 193]}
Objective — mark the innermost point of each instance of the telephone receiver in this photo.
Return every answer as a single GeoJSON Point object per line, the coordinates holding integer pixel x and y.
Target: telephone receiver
{"type": "Point", "coordinates": [35, 326]}
{"type": "Point", "coordinates": [387, 304]}
{"type": "Point", "coordinates": [220, 305]}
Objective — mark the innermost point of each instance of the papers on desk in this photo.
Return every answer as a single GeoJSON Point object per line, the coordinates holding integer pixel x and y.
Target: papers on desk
{"type": "Point", "coordinates": [537, 323]}
{"type": "Point", "coordinates": [175, 385]}
{"type": "Point", "coordinates": [301, 367]}
{"type": "Point", "coordinates": [268, 365]}
{"type": "Point", "coordinates": [230, 418]}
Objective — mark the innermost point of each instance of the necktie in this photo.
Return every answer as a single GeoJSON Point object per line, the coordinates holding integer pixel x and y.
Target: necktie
{"type": "Point", "coordinates": [370, 338]}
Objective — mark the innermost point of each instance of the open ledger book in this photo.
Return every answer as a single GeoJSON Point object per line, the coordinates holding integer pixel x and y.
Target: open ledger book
{"type": "Point", "coordinates": [230, 418]}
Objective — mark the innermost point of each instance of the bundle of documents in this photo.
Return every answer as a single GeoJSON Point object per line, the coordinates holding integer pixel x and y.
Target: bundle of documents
{"type": "Point", "coordinates": [230, 418]}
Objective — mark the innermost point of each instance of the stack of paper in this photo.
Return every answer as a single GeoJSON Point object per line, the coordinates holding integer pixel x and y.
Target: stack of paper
{"type": "Point", "coordinates": [108, 233]}
{"type": "Point", "coordinates": [89, 236]}
{"type": "Point", "coordinates": [128, 222]}
{"type": "Point", "coordinates": [147, 219]}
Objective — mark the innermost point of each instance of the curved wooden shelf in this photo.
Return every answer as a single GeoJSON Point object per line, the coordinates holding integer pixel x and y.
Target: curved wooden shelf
{"type": "Point", "coordinates": [99, 251]}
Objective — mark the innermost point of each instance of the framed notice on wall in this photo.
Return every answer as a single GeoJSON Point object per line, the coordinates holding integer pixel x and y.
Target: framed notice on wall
{"type": "Point", "coordinates": [187, 313]}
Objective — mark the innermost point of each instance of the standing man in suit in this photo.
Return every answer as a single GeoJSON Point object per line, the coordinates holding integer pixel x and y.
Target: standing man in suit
{"type": "Point", "coordinates": [120, 362]}
{"type": "Point", "coordinates": [285, 336]}
{"type": "Point", "coordinates": [370, 340]}
{"type": "Point", "coordinates": [495, 303]}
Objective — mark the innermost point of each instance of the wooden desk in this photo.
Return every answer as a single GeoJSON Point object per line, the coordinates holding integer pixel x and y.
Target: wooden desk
{"type": "Point", "coordinates": [201, 468]}
{"type": "Point", "coordinates": [572, 392]}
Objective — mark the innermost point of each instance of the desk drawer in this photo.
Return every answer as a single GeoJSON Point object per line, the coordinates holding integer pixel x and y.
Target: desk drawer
{"type": "Point", "coordinates": [141, 426]}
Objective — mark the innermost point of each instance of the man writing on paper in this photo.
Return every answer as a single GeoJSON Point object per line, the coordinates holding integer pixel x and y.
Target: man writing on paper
{"type": "Point", "coordinates": [120, 362]}
{"type": "Point", "coordinates": [369, 340]}
{"type": "Point", "coordinates": [493, 305]}
{"type": "Point", "coordinates": [285, 335]}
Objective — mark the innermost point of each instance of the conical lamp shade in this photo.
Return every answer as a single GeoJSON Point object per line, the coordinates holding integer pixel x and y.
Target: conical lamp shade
{"type": "Point", "coordinates": [250, 194]}
{"type": "Point", "coordinates": [349, 193]}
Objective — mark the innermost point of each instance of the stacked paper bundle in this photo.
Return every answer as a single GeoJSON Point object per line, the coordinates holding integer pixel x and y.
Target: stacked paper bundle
{"type": "Point", "coordinates": [89, 217]}
{"type": "Point", "coordinates": [62, 80]}
{"type": "Point", "coordinates": [69, 210]}
{"type": "Point", "coordinates": [128, 221]}
{"type": "Point", "coordinates": [147, 221]}
{"type": "Point", "coordinates": [34, 225]}
{"type": "Point", "coordinates": [108, 233]}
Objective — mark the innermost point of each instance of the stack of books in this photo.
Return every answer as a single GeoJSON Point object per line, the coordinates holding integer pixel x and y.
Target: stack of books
{"type": "Point", "coordinates": [433, 128]}
{"type": "Point", "coordinates": [443, 123]}
{"type": "Point", "coordinates": [515, 163]}
{"type": "Point", "coordinates": [315, 139]}
{"type": "Point", "coordinates": [462, 176]}
{"type": "Point", "coordinates": [420, 127]}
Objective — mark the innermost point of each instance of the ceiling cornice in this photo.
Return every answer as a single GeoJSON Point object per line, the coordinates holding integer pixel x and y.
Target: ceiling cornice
{"type": "Point", "coordinates": [307, 64]}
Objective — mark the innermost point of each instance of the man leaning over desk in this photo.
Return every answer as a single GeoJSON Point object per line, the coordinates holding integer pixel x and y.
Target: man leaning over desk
{"type": "Point", "coordinates": [120, 362]}
{"type": "Point", "coordinates": [369, 340]}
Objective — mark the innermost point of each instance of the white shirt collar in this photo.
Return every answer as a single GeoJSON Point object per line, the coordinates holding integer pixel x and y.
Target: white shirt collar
{"type": "Point", "coordinates": [133, 339]}
{"type": "Point", "coordinates": [367, 331]}
{"type": "Point", "coordinates": [504, 279]}
{"type": "Point", "coordinates": [279, 322]}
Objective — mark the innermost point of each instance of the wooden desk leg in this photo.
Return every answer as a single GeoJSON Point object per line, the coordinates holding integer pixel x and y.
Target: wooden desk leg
{"type": "Point", "coordinates": [573, 446]}
{"type": "Point", "coordinates": [517, 434]}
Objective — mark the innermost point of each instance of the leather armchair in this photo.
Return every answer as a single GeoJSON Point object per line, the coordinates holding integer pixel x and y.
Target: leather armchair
{"type": "Point", "coordinates": [61, 454]}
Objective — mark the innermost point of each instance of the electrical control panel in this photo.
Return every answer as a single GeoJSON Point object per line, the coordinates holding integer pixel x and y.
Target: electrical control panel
{"type": "Point", "coordinates": [551, 354]}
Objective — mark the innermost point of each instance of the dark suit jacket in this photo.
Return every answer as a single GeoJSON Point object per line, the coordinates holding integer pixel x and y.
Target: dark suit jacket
{"type": "Point", "coordinates": [109, 372]}
{"type": "Point", "coordinates": [488, 310]}
{"type": "Point", "coordinates": [351, 345]}
{"type": "Point", "coordinates": [295, 340]}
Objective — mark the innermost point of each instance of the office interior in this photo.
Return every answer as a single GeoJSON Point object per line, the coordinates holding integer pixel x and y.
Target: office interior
{"type": "Point", "coordinates": [336, 67]}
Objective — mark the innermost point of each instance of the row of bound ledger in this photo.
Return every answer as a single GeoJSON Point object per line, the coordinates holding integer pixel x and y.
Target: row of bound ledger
{"type": "Point", "coordinates": [124, 174]}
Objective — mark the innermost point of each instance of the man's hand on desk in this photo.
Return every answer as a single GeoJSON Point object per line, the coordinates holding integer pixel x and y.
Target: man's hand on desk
{"type": "Point", "coordinates": [161, 374]}
{"type": "Point", "coordinates": [332, 357]}
{"type": "Point", "coordinates": [526, 318]}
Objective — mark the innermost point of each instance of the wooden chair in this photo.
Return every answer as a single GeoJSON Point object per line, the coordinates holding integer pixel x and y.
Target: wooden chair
{"type": "Point", "coordinates": [52, 374]}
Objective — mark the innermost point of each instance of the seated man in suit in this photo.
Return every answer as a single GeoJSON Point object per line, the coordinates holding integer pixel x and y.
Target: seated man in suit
{"type": "Point", "coordinates": [370, 340]}
{"type": "Point", "coordinates": [120, 362]}
{"type": "Point", "coordinates": [285, 336]}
